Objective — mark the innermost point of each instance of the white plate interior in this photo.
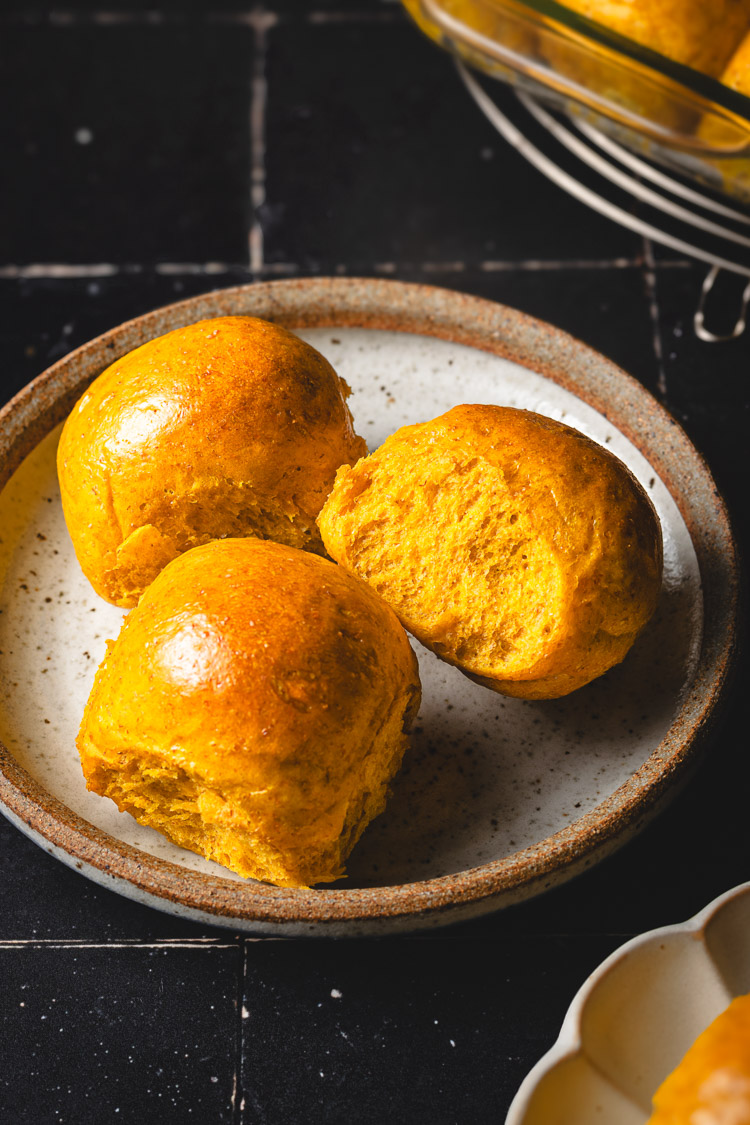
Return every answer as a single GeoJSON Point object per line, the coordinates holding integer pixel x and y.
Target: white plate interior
{"type": "Point", "coordinates": [486, 776]}
{"type": "Point", "coordinates": [635, 1018]}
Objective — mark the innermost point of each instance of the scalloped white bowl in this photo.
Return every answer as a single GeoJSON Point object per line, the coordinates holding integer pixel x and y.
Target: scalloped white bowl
{"type": "Point", "coordinates": [635, 1017]}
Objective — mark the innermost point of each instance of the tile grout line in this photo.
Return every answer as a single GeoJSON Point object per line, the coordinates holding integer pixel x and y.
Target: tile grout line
{"type": "Point", "coordinates": [242, 941]}
{"type": "Point", "coordinates": [649, 274]}
{"type": "Point", "coordinates": [134, 943]}
{"type": "Point", "coordinates": [109, 18]}
{"type": "Point", "coordinates": [244, 1014]}
{"type": "Point", "coordinates": [51, 271]}
{"type": "Point", "coordinates": [237, 1100]}
{"type": "Point", "coordinates": [355, 17]}
{"type": "Point", "coordinates": [261, 21]}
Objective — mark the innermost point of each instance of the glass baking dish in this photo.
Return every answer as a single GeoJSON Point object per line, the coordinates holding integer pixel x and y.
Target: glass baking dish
{"type": "Point", "coordinates": [657, 107]}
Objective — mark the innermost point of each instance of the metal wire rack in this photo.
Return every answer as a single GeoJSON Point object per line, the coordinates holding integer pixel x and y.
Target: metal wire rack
{"type": "Point", "coordinates": [609, 178]}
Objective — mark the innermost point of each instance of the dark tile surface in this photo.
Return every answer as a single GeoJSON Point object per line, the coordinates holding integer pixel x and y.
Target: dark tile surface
{"type": "Point", "coordinates": [132, 145]}
{"type": "Point", "coordinates": [383, 157]}
{"type": "Point", "coordinates": [706, 388]}
{"type": "Point", "coordinates": [52, 902]}
{"type": "Point", "coordinates": [376, 163]}
{"type": "Point", "coordinates": [430, 1032]}
{"type": "Point", "coordinates": [120, 1033]}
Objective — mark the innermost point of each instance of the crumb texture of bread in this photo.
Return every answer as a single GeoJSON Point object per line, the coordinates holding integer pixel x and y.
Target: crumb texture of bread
{"type": "Point", "coordinates": [511, 545]}
{"type": "Point", "coordinates": [227, 428]}
{"type": "Point", "coordinates": [711, 1086]}
{"type": "Point", "coordinates": [254, 709]}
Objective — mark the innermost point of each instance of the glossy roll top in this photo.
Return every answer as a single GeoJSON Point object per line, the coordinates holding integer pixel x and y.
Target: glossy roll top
{"type": "Point", "coordinates": [254, 709]}
{"type": "Point", "coordinates": [228, 427]}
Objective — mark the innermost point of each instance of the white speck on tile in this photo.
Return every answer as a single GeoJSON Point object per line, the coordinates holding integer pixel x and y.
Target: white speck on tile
{"type": "Point", "coordinates": [245, 1013]}
{"type": "Point", "coordinates": [335, 994]}
{"type": "Point", "coordinates": [84, 136]}
{"type": "Point", "coordinates": [452, 1042]}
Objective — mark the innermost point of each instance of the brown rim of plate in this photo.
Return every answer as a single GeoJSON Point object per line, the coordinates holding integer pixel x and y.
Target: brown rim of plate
{"type": "Point", "coordinates": [490, 327]}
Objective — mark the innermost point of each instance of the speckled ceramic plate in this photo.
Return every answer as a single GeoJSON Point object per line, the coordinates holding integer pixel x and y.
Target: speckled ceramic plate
{"type": "Point", "coordinates": [636, 1016]}
{"type": "Point", "coordinates": [498, 799]}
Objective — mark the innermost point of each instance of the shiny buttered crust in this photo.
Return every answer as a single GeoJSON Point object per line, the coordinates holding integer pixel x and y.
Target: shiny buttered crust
{"type": "Point", "coordinates": [229, 427]}
{"type": "Point", "coordinates": [254, 709]}
{"type": "Point", "coordinates": [698, 33]}
{"type": "Point", "coordinates": [711, 1086]}
{"type": "Point", "coordinates": [737, 73]}
{"type": "Point", "coordinates": [511, 545]}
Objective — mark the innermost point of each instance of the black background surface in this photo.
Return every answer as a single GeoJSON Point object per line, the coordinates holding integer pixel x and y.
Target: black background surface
{"type": "Point", "coordinates": [128, 172]}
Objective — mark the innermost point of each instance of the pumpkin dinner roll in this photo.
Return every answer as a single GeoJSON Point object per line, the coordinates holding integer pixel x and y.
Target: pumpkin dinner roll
{"type": "Point", "coordinates": [701, 34]}
{"type": "Point", "coordinates": [697, 33]}
{"type": "Point", "coordinates": [711, 1086]}
{"type": "Point", "coordinates": [511, 545]}
{"type": "Point", "coordinates": [254, 709]}
{"type": "Point", "coordinates": [737, 72]}
{"type": "Point", "coordinates": [228, 427]}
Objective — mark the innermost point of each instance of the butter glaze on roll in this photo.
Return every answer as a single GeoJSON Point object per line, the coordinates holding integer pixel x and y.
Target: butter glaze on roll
{"type": "Point", "coordinates": [698, 33]}
{"type": "Point", "coordinates": [228, 427]}
{"type": "Point", "coordinates": [254, 709]}
{"type": "Point", "coordinates": [509, 544]}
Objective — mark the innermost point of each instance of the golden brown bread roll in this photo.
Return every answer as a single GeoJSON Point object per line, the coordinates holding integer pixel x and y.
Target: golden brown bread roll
{"type": "Point", "coordinates": [711, 1086]}
{"type": "Point", "coordinates": [697, 33]}
{"type": "Point", "coordinates": [735, 171]}
{"type": "Point", "coordinates": [736, 74]}
{"type": "Point", "coordinates": [511, 545]}
{"type": "Point", "coordinates": [229, 427]}
{"type": "Point", "coordinates": [253, 709]}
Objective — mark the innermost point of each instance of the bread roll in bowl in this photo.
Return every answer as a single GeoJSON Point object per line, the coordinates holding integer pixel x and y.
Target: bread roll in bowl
{"type": "Point", "coordinates": [509, 544]}
{"type": "Point", "coordinates": [711, 1086]}
{"type": "Point", "coordinates": [229, 427]}
{"type": "Point", "coordinates": [254, 709]}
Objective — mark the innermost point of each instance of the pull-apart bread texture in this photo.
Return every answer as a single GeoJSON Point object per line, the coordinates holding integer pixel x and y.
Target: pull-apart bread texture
{"type": "Point", "coordinates": [228, 427]}
{"type": "Point", "coordinates": [254, 709]}
{"type": "Point", "coordinates": [711, 1086]}
{"type": "Point", "coordinates": [509, 544]}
